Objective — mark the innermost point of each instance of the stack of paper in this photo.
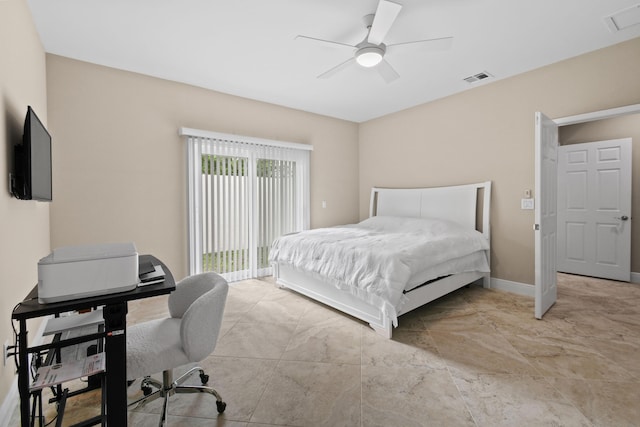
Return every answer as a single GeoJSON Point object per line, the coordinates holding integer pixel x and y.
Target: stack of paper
{"type": "Point", "coordinates": [63, 372]}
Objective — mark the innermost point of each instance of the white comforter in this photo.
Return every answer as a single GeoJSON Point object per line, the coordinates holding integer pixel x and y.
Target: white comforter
{"type": "Point", "coordinates": [375, 258]}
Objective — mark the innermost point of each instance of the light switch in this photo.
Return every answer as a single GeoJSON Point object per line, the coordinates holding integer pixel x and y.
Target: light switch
{"type": "Point", "coordinates": [324, 204]}
{"type": "Point", "coordinates": [527, 204]}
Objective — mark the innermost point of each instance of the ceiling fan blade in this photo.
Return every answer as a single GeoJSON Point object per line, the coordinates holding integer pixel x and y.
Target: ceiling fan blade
{"type": "Point", "coordinates": [337, 69]}
{"type": "Point", "coordinates": [385, 16]}
{"type": "Point", "coordinates": [323, 42]}
{"type": "Point", "coordinates": [386, 71]}
{"type": "Point", "coordinates": [443, 43]}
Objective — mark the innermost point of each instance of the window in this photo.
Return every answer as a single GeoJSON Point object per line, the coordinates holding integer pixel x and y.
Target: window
{"type": "Point", "coordinates": [243, 193]}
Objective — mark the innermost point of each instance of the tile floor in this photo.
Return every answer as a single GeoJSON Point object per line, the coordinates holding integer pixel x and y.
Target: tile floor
{"type": "Point", "coordinates": [476, 357]}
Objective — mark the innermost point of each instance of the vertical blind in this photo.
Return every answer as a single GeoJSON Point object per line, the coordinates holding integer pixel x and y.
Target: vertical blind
{"type": "Point", "coordinates": [243, 193]}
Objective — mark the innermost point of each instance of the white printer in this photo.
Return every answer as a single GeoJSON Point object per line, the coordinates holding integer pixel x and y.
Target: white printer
{"type": "Point", "coordinates": [73, 272]}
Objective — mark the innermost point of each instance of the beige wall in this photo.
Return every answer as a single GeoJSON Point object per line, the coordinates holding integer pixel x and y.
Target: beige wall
{"type": "Point", "coordinates": [487, 133]}
{"type": "Point", "coordinates": [119, 164]}
{"type": "Point", "coordinates": [619, 127]}
{"type": "Point", "coordinates": [24, 225]}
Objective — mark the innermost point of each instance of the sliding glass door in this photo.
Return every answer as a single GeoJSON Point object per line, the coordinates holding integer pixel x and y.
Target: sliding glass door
{"type": "Point", "coordinates": [242, 197]}
{"type": "Point", "coordinates": [225, 215]}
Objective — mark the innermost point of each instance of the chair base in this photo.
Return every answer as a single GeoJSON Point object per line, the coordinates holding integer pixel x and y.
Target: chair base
{"type": "Point", "coordinates": [169, 387]}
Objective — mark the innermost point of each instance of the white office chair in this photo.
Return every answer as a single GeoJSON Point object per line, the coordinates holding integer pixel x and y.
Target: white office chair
{"type": "Point", "coordinates": [188, 336]}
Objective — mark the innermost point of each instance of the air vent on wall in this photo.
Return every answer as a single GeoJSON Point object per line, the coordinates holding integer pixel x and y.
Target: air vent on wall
{"type": "Point", "coordinates": [623, 19]}
{"type": "Point", "coordinates": [477, 77]}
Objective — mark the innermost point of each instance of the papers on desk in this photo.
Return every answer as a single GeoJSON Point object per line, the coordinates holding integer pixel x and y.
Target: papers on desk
{"type": "Point", "coordinates": [63, 372]}
{"type": "Point", "coordinates": [65, 323]}
{"type": "Point", "coordinates": [152, 276]}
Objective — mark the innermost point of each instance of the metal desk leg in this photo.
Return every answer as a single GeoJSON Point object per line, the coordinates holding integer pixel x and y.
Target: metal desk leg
{"type": "Point", "coordinates": [115, 319]}
{"type": "Point", "coordinates": [23, 374]}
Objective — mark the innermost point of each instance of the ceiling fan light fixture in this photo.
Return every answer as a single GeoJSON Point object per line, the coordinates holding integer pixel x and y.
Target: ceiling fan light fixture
{"type": "Point", "coordinates": [369, 56]}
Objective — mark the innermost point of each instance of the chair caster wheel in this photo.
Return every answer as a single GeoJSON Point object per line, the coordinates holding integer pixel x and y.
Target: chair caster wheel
{"type": "Point", "coordinates": [221, 406]}
{"type": "Point", "coordinates": [204, 378]}
{"type": "Point", "coordinates": [146, 390]}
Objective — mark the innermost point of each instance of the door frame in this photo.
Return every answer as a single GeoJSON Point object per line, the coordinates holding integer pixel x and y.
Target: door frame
{"type": "Point", "coordinates": [572, 120]}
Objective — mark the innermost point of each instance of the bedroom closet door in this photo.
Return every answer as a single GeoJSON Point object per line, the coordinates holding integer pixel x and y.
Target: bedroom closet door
{"type": "Point", "coordinates": [546, 214]}
{"type": "Point", "coordinates": [594, 209]}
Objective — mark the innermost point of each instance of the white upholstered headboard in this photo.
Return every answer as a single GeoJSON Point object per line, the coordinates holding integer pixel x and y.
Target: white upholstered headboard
{"type": "Point", "coordinates": [455, 203]}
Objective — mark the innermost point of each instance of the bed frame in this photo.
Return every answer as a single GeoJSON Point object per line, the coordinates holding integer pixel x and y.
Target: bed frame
{"type": "Point", "coordinates": [467, 205]}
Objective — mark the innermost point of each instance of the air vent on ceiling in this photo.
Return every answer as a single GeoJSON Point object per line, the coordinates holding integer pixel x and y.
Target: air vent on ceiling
{"type": "Point", "coordinates": [623, 19]}
{"type": "Point", "coordinates": [477, 77]}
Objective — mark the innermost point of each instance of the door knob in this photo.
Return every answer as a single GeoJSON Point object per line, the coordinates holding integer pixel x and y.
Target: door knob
{"type": "Point", "coordinates": [622, 218]}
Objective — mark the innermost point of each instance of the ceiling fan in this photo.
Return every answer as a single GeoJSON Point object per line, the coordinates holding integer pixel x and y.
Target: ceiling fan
{"type": "Point", "coordinates": [369, 53]}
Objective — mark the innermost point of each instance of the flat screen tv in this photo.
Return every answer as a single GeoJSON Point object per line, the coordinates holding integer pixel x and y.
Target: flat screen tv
{"type": "Point", "coordinates": [32, 178]}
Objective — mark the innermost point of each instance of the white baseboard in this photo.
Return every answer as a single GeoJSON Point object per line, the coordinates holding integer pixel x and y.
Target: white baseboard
{"type": "Point", "coordinates": [9, 404]}
{"type": "Point", "coordinates": [11, 400]}
{"type": "Point", "coordinates": [529, 290]}
{"type": "Point", "coordinates": [513, 287]}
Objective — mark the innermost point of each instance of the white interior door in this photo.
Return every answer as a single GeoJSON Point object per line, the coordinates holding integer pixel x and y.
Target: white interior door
{"type": "Point", "coordinates": [594, 209]}
{"type": "Point", "coordinates": [546, 172]}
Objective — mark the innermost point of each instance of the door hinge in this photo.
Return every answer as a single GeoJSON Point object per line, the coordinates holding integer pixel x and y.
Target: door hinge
{"type": "Point", "coordinates": [536, 227]}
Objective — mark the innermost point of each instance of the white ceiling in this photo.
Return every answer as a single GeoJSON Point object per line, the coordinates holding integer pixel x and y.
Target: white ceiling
{"type": "Point", "coordinates": [248, 48]}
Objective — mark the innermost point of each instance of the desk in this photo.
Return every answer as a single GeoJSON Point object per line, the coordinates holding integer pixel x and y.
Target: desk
{"type": "Point", "coordinates": [115, 339]}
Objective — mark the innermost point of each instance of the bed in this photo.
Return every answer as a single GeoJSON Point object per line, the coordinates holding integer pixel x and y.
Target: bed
{"type": "Point", "coordinates": [417, 245]}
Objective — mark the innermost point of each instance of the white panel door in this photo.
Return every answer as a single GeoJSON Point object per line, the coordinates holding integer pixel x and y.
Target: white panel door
{"type": "Point", "coordinates": [546, 171]}
{"type": "Point", "coordinates": [594, 209]}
